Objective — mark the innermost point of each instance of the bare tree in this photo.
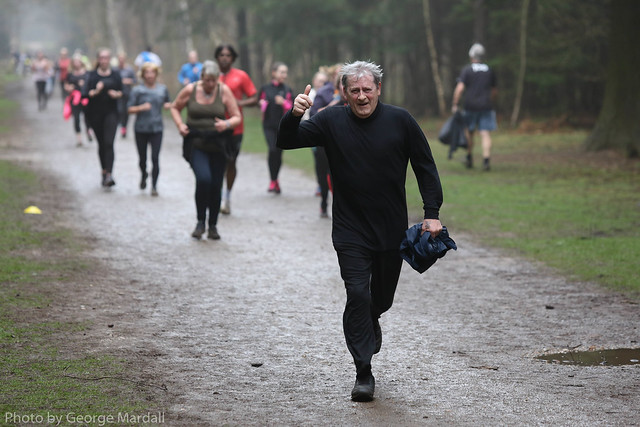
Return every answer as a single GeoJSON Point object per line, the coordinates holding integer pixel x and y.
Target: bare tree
{"type": "Point", "coordinates": [479, 21]}
{"type": "Point", "coordinates": [618, 126]}
{"type": "Point", "coordinates": [186, 25]}
{"type": "Point", "coordinates": [434, 57]}
{"type": "Point", "coordinates": [243, 36]}
{"type": "Point", "coordinates": [112, 25]}
{"type": "Point", "coordinates": [523, 63]}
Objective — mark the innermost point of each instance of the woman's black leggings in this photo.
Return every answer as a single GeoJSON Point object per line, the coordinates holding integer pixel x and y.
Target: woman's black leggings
{"type": "Point", "coordinates": [275, 153]}
{"type": "Point", "coordinates": [76, 110]}
{"type": "Point", "coordinates": [123, 114]}
{"type": "Point", "coordinates": [322, 174]}
{"type": "Point", "coordinates": [105, 128]}
{"type": "Point", "coordinates": [42, 94]}
{"type": "Point", "coordinates": [142, 141]}
{"type": "Point", "coordinates": [208, 169]}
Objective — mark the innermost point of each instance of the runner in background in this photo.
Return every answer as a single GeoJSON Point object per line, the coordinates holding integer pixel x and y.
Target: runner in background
{"type": "Point", "coordinates": [62, 69]}
{"type": "Point", "coordinates": [74, 85]}
{"type": "Point", "coordinates": [128, 76]}
{"type": "Point", "coordinates": [275, 100]}
{"type": "Point", "coordinates": [212, 114]}
{"type": "Point", "coordinates": [190, 71]}
{"type": "Point", "coordinates": [103, 89]}
{"type": "Point", "coordinates": [147, 56]}
{"type": "Point", "coordinates": [245, 93]}
{"type": "Point", "coordinates": [147, 101]}
{"type": "Point", "coordinates": [41, 69]}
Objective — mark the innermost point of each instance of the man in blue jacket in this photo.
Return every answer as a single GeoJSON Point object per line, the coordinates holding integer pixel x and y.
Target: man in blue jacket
{"type": "Point", "coordinates": [369, 145]}
{"type": "Point", "coordinates": [190, 72]}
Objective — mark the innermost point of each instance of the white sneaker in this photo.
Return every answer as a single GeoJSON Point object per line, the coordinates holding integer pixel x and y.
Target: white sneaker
{"type": "Point", "coordinates": [225, 207]}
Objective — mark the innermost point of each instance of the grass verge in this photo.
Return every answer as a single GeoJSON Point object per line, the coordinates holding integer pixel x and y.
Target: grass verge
{"type": "Point", "coordinates": [39, 379]}
{"type": "Point", "coordinates": [544, 198]}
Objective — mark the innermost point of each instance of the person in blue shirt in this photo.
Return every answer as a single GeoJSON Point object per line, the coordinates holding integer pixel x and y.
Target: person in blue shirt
{"type": "Point", "coordinates": [147, 56]}
{"type": "Point", "coordinates": [190, 72]}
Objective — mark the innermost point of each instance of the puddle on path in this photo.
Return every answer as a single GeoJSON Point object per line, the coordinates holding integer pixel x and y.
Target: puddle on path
{"type": "Point", "coordinates": [615, 357]}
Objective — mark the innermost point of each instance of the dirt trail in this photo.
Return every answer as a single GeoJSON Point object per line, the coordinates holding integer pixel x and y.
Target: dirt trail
{"type": "Point", "coordinates": [247, 330]}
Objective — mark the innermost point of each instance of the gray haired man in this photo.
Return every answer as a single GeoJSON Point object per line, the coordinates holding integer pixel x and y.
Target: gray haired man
{"type": "Point", "coordinates": [478, 82]}
{"type": "Point", "coordinates": [369, 145]}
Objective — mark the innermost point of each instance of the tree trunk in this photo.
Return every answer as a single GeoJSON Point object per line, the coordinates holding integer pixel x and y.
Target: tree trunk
{"type": "Point", "coordinates": [186, 26]}
{"type": "Point", "coordinates": [479, 21]}
{"type": "Point", "coordinates": [243, 37]}
{"type": "Point", "coordinates": [434, 58]}
{"type": "Point", "coordinates": [523, 63]}
{"type": "Point", "coordinates": [112, 24]}
{"type": "Point", "coordinates": [618, 125]}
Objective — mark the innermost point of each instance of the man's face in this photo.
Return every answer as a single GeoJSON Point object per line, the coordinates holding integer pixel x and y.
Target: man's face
{"type": "Point", "coordinates": [225, 59]}
{"type": "Point", "coordinates": [362, 95]}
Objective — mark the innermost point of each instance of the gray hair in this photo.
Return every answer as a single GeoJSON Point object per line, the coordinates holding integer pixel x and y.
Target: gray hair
{"type": "Point", "coordinates": [210, 68]}
{"type": "Point", "coordinates": [358, 69]}
{"type": "Point", "coordinates": [476, 51]}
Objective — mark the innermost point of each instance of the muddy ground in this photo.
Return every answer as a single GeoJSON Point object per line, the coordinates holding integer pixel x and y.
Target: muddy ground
{"type": "Point", "coordinates": [247, 330]}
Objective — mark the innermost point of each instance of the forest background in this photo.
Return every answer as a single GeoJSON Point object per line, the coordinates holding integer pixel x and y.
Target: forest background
{"type": "Point", "coordinates": [550, 56]}
{"type": "Point", "coordinates": [561, 64]}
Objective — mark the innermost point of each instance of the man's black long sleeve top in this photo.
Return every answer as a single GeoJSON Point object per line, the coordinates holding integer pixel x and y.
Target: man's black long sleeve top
{"type": "Point", "coordinates": [368, 159]}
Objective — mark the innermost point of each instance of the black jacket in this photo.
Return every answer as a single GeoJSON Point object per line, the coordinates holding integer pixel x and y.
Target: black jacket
{"type": "Point", "coordinates": [422, 251]}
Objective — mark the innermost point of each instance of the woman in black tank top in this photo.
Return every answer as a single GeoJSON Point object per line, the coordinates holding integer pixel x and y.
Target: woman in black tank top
{"type": "Point", "coordinates": [212, 113]}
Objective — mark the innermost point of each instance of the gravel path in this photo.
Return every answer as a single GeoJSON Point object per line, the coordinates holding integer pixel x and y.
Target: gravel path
{"type": "Point", "coordinates": [247, 330]}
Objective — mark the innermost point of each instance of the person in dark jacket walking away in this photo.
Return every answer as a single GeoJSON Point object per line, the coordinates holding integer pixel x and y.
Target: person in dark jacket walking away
{"type": "Point", "coordinates": [369, 145]}
{"type": "Point", "coordinates": [479, 83]}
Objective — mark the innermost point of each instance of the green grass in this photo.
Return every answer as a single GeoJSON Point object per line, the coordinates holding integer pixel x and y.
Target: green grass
{"type": "Point", "coordinates": [548, 200]}
{"type": "Point", "coordinates": [544, 199]}
{"type": "Point", "coordinates": [38, 378]}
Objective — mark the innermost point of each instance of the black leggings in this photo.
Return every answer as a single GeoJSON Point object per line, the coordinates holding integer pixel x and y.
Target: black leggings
{"type": "Point", "coordinates": [142, 141]}
{"type": "Point", "coordinates": [123, 113]}
{"type": "Point", "coordinates": [275, 154]}
{"type": "Point", "coordinates": [370, 279]}
{"type": "Point", "coordinates": [208, 169]}
{"type": "Point", "coordinates": [76, 110]}
{"type": "Point", "coordinates": [322, 174]}
{"type": "Point", "coordinates": [42, 94]}
{"type": "Point", "coordinates": [105, 128]}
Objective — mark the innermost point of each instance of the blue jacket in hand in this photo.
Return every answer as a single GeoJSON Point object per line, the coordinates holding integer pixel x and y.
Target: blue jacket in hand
{"type": "Point", "coordinates": [422, 251]}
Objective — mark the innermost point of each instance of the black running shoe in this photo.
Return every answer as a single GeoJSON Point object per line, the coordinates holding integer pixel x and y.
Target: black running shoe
{"type": "Point", "coordinates": [213, 233]}
{"type": "Point", "coordinates": [199, 230]}
{"type": "Point", "coordinates": [363, 389]}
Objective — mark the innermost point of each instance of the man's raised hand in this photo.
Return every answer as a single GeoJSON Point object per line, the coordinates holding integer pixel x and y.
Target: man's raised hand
{"type": "Point", "coordinates": [302, 102]}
